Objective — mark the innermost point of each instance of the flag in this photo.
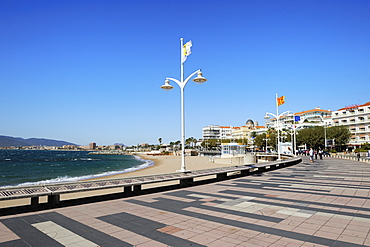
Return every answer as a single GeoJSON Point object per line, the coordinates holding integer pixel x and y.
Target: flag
{"type": "Point", "coordinates": [186, 50]}
{"type": "Point", "coordinates": [280, 100]}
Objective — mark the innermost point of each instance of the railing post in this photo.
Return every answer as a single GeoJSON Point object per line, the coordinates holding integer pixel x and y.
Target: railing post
{"type": "Point", "coordinates": [34, 201]}
{"type": "Point", "coordinates": [221, 176]}
{"type": "Point", "coordinates": [244, 172]}
{"type": "Point", "coordinates": [53, 199]}
{"type": "Point", "coordinates": [127, 190]}
{"type": "Point", "coordinates": [185, 182]}
{"type": "Point", "coordinates": [137, 188]}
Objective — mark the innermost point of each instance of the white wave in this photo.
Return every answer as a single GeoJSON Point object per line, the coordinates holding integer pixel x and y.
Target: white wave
{"type": "Point", "coordinates": [64, 179]}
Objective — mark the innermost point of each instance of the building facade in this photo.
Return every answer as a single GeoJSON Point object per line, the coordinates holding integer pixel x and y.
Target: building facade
{"type": "Point", "coordinates": [217, 132]}
{"type": "Point", "coordinates": [211, 132]}
{"type": "Point", "coordinates": [310, 118]}
{"type": "Point", "coordinates": [230, 132]}
{"type": "Point", "coordinates": [357, 119]}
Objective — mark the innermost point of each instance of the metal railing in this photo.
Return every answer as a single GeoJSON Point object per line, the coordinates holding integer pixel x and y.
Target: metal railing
{"type": "Point", "coordinates": [133, 184]}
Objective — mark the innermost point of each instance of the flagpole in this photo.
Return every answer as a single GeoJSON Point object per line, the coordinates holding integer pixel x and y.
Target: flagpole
{"type": "Point", "coordinates": [183, 167]}
{"type": "Point", "coordinates": [181, 59]}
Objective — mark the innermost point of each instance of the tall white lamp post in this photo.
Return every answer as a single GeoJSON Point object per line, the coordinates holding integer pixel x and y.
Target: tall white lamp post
{"type": "Point", "coordinates": [277, 116]}
{"type": "Point", "coordinates": [266, 139]}
{"type": "Point", "coordinates": [182, 83]}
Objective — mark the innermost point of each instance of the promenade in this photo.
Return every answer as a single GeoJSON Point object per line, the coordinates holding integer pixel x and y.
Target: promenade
{"type": "Point", "coordinates": [324, 203]}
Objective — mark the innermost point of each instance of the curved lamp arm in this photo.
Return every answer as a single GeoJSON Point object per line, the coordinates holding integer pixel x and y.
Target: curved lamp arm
{"type": "Point", "coordinates": [190, 76]}
{"type": "Point", "coordinates": [175, 80]}
{"type": "Point", "coordinates": [182, 84]}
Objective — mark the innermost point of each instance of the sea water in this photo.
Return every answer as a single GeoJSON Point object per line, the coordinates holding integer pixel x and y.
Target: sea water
{"type": "Point", "coordinates": [33, 167]}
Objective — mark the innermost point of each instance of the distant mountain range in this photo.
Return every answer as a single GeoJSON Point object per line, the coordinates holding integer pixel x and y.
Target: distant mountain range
{"type": "Point", "coordinates": [8, 141]}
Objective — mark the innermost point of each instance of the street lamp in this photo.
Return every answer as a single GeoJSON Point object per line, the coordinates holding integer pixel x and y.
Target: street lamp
{"type": "Point", "coordinates": [277, 126]}
{"type": "Point", "coordinates": [325, 125]}
{"type": "Point", "coordinates": [182, 83]}
{"type": "Point", "coordinates": [266, 139]}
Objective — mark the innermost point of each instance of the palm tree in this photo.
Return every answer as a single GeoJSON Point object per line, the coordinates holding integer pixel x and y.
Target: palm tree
{"type": "Point", "coordinates": [188, 141]}
{"type": "Point", "coordinates": [160, 140]}
{"type": "Point", "coordinates": [194, 141]}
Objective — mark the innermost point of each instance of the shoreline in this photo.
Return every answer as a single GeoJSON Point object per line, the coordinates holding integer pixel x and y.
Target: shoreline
{"type": "Point", "coordinates": [156, 162]}
{"type": "Point", "coordinates": [163, 164]}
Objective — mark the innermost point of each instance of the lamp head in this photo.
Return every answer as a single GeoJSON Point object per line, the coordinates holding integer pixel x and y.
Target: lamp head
{"type": "Point", "coordinates": [199, 79]}
{"type": "Point", "coordinates": [167, 86]}
{"type": "Point", "coordinates": [266, 116]}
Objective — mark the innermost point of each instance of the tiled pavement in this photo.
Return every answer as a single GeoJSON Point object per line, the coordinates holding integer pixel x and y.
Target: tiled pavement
{"type": "Point", "coordinates": [324, 203]}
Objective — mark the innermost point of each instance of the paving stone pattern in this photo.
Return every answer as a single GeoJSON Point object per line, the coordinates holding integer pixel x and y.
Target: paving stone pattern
{"type": "Point", "coordinates": [324, 203]}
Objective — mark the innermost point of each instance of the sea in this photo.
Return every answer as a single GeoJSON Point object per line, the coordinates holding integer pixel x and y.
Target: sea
{"type": "Point", "coordinates": [39, 167]}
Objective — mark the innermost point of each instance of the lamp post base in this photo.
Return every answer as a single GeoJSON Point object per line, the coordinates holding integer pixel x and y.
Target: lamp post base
{"type": "Point", "coordinates": [184, 171]}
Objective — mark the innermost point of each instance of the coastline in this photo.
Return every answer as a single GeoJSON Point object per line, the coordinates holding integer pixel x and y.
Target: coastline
{"type": "Point", "coordinates": [162, 165]}
{"type": "Point", "coordinates": [166, 164]}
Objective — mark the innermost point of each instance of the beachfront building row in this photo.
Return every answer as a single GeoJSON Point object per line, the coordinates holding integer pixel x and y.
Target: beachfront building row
{"type": "Point", "coordinates": [231, 132]}
{"type": "Point", "coordinates": [357, 118]}
{"type": "Point", "coordinates": [303, 119]}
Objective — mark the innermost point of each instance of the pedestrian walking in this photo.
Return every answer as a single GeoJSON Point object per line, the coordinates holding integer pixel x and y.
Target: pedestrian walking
{"type": "Point", "coordinates": [320, 153]}
{"type": "Point", "coordinates": [311, 153]}
{"type": "Point", "coordinates": [358, 156]}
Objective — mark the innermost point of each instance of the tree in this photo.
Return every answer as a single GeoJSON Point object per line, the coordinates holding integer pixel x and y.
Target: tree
{"type": "Point", "coordinates": [315, 136]}
{"type": "Point", "coordinates": [260, 140]}
{"type": "Point", "coordinates": [340, 134]}
{"type": "Point", "coordinates": [160, 140]}
{"type": "Point", "coordinates": [188, 141]}
{"type": "Point", "coordinates": [194, 140]}
{"type": "Point", "coordinates": [211, 143]}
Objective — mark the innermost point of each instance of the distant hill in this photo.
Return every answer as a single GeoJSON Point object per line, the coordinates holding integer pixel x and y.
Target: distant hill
{"type": "Point", "coordinates": [8, 141]}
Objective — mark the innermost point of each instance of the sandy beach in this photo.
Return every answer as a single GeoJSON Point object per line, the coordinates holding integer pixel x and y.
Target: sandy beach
{"type": "Point", "coordinates": [169, 164]}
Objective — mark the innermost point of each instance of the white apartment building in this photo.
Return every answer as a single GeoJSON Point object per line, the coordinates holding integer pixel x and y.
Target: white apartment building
{"type": "Point", "coordinates": [357, 119]}
{"type": "Point", "coordinates": [217, 132]}
{"type": "Point", "coordinates": [310, 118]}
{"type": "Point", "coordinates": [229, 132]}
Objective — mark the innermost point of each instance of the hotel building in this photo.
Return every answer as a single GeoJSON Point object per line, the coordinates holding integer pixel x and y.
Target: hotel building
{"type": "Point", "coordinates": [310, 118]}
{"type": "Point", "coordinates": [357, 119]}
{"type": "Point", "coordinates": [229, 132]}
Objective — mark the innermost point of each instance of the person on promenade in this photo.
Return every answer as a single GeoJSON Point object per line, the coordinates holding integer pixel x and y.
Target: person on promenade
{"type": "Point", "coordinates": [320, 153]}
{"type": "Point", "coordinates": [311, 153]}
{"type": "Point", "coordinates": [358, 156]}
{"type": "Point", "coordinates": [315, 154]}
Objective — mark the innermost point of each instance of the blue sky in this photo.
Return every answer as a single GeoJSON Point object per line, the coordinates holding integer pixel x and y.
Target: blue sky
{"type": "Point", "coordinates": [90, 71]}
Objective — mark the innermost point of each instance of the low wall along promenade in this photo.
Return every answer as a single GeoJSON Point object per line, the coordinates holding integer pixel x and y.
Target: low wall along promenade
{"type": "Point", "coordinates": [18, 199]}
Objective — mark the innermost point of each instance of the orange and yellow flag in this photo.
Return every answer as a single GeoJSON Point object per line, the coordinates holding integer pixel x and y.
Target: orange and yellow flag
{"type": "Point", "coordinates": [280, 100]}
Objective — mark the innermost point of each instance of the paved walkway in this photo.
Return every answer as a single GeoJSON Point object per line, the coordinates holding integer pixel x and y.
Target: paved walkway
{"type": "Point", "coordinates": [324, 203]}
